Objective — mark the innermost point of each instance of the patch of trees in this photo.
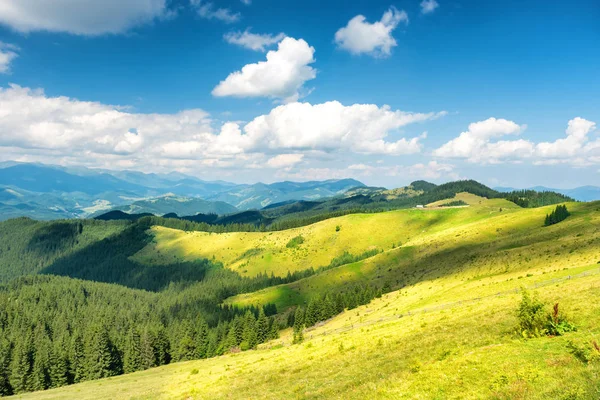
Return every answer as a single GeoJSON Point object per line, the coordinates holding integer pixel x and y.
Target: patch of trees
{"type": "Point", "coordinates": [322, 308]}
{"type": "Point", "coordinates": [56, 331]}
{"type": "Point", "coordinates": [559, 214]}
{"type": "Point", "coordinates": [532, 199]}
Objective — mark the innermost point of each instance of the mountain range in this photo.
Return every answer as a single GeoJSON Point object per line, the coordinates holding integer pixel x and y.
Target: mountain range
{"type": "Point", "coordinates": [49, 192]}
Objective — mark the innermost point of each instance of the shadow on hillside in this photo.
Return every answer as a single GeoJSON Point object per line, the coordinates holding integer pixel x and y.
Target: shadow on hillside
{"type": "Point", "coordinates": [54, 237]}
{"type": "Point", "coordinates": [108, 261]}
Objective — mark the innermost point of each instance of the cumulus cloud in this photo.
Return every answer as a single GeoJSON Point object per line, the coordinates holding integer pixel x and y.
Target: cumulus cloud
{"type": "Point", "coordinates": [362, 128]}
{"type": "Point", "coordinates": [477, 145]}
{"type": "Point", "coordinates": [82, 17]}
{"type": "Point", "coordinates": [253, 41]}
{"type": "Point", "coordinates": [474, 144]}
{"type": "Point", "coordinates": [207, 9]}
{"type": "Point", "coordinates": [362, 37]}
{"type": "Point", "coordinates": [36, 127]}
{"type": "Point", "coordinates": [8, 53]}
{"type": "Point", "coordinates": [285, 160]}
{"type": "Point", "coordinates": [281, 76]}
{"type": "Point", "coordinates": [429, 6]}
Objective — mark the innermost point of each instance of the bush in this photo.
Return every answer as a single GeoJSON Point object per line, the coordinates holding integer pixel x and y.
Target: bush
{"type": "Point", "coordinates": [295, 242]}
{"type": "Point", "coordinates": [535, 321]}
{"type": "Point", "coordinates": [532, 318]}
{"type": "Point", "coordinates": [558, 324]}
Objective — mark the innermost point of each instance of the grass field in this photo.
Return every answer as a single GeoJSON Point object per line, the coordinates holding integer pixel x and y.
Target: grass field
{"type": "Point", "coordinates": [468, 350]}
{"type": "Point", "coordinates": [448, 331]}
{"type": "Point", "coordinates": [251, 253]}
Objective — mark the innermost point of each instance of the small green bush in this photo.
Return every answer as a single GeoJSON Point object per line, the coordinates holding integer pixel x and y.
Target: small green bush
{"type": "Point", "coordinates": [338, 228]}
{"type": "Point", "coordinates": [531, 315]}
{"type": "Point", "coordinates": [535, 321]}
{"type": "Point", "coordinates": [295, 242]}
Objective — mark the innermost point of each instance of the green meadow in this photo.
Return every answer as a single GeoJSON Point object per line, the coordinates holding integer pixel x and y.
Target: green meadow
{"type": "Point", "coordinates": [446, 330]}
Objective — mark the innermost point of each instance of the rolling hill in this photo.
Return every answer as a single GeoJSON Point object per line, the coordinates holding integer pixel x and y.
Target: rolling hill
{"type": "Point", "coordinates": [452, 277]}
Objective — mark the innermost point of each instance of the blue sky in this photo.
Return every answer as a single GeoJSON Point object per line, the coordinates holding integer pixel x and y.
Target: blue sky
{"type": "Point", "coordinates": [383, 91]}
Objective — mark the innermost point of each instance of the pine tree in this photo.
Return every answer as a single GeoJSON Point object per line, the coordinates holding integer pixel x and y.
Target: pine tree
{"type": "Point", "coordinates": [100, 356]}
{"type": "Point", "coordinates": [58, 365]}
{"type": "Point", "coordinates": [262, 327]}
{"type": "Point", "coordinates": [132, 355]}
{"type": "Point", "coordinates": [5, 354]}
{"type": "Point", "coordinates": [22, 365]}
{"type": "Point", "coordinates": [250, 335]}
{"type": "Point", "coordinates": [273, 329]}
{"type": "Point", "coordinates": [202, 339]}
{"type": "Point", "coordinates": [78, 364]}
{"type": "Point", "coordinates": [40, 378]}
{"type": "Point", "coordinates": [148, 354]}
{"type": "Point", "coordinates": [299, 318]}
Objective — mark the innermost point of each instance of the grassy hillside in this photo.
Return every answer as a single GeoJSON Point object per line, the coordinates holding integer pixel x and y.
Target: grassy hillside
{"type": "Point", "coordinates": [465, 243]}
{"type": "Point", "coordinates": [455, 273]}
{"type": "Point", "coordinates": [251, 253]}
{"type": "Point", "coordinates": [402, 346]}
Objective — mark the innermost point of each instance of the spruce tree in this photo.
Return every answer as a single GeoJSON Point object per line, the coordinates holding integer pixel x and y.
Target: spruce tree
{"type": "Point", "coordinates": [5, 354]}
{"type": "Point", "coordinates": [250, 335]}
{"type": "Point", "coordinates": [262, 327]}
{"type": "Point", "coordinates": [132, 355]}
{"type": "Point", "coordinates": [299, 318]}
{"type": "Point", "coordinates": [100, 356]}
{"type": "Point", "coordinates": [22, 365]}
{"type": "Point", "coordinates": [78, 362]}
{"type": "Point", "coordinates": [58, 365]}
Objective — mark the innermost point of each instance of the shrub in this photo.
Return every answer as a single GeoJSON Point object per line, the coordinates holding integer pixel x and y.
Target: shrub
{"type": "Point", "coordinates": [531, 315]}
{"type": "Point", "coordinates": [558, 324]}
{"type": "Point", "coordinates": [295, 242]}
{"type": "Point", "coordinates": [337, 228]}
{"type": "Point", "coordinates": [534, 321]}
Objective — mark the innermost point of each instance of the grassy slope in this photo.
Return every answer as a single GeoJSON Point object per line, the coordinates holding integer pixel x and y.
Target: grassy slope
{"type": "Point", "coordinates": [250, 253]}
{"type": "Point", "coordinates": [460, 266]}
{"type": "Point", "coordinates": [467, 351]}
{"type": "Point", "coordinates": [512, 243]}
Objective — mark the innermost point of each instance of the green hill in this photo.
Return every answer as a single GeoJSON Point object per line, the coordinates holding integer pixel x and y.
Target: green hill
{"type": "Point", "coordinates": [447, 331]}
{"type": "Point", "coordinates": [147, 294]}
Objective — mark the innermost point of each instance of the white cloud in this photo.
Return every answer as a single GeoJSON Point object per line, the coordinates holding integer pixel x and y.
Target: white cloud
{"type": "Point", "coordinates": [282, 76]}
{"type": "Point", "coordinates": [253, 41]}
{"type": "Point", "coordinates": [360, 36]}
{"type": "Point", "coordinates": [476, 145]}
{"type": "Point", "coordinates": [361, 128]}
{"type": "Point", "coordinates": [36, 127]}
{"type": "Point", "coordinates": [429, 6]}
{"type": "Point", "coordinates": [207, 9]}
{"type": "Point", "coordinates": [285, 160]}
{"type": "Point", "coordinates": [8, 53]}
{"type": "Point", "coordinates": [246, 2]}
{"type": "Point", "coordinates": [81, 17]}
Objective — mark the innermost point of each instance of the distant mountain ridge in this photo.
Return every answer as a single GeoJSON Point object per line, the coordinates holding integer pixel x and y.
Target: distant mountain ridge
{"type": "Point", "coordinates": [48, 192]}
